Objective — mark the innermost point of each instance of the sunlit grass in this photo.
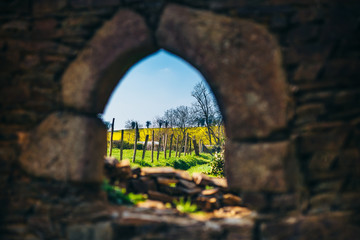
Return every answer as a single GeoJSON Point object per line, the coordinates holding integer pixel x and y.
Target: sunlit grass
{"type": "Point", "coordinates": [191, 163]}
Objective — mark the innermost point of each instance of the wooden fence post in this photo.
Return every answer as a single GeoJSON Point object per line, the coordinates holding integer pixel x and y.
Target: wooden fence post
{"type": "Point", "coordinates": [200, 146]}
{"type": "Point", "coordinates": [121, 144]}
{"type": "Point", "coordinates": [185, 147]}
{"type": "Point", "coordinates": [190, 145]}
{"type": "Point", "coordinates": [158, 151]}
{"type": "Point", "coordinates": [171, 138]}
{"type": "Point", "coordinates": [165, 145]}
{"type": "Point", "coordinates": [177, 145]}
{"type": "Point", "coordinates": [111, 137]}
{"type": "Point", "coordinates": [195, 147]}
{"type": "Point", "coordinates": [135, 143]}
{"type": "Point", "coordinates": [144, 147]}
{"type": "Point", "coordinates": [152, 146]}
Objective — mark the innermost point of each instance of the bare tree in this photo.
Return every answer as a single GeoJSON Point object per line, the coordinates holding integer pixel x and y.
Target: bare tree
{"type": "Point", "coordinates": [182, 120]}
{"type": "Point", "coordinates": [148, 123]}
{"type": "Point", "coordinates": [205, 111]}
{"type": "Point", "coordinates": [130, 124]}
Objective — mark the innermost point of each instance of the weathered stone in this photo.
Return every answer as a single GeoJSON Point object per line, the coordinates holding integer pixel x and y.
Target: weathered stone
{"type": "Point", "coordinates": [323, 202]}
{"type": "Point", "coordinates": [284, 202]}
{"type": "Point", "coordinates": [303, 33]}
{"type": "Point", "coordinates": [254, 200]}
{"type": "Point", "coordinates": [219, 182]}
{"type": "Point", "coordinates": [166, 181]}
{"type": "Point", "coordinates": [187, 184]}
{"type": "Point", "coordinates": [326, 226]}
{"type": "Point", "coordinates": [231, 200]}
{"type": "Point", "coordinates": [16, 26]}
{"type": "Point", "coordinates": [183, 174]}
{"type": "Point", "coordinates": [323, 139]}
{"type": "Point", "coordinates": [309, 113]}
{"type": "Point", "coordinates": [114, 48]}
{"type": "Point", "coordinates": [142, 185]}
{"type": "Point", "coordinates": [307, 72]}
{"type": "Point", "coordinates": [249, 69]}
{"type": "Point", "coordinates": [322, 161]}
{"type": "Point", "coordinates": [154, 195]}
{"type": "Point", "coordinates": [209, 192]}
{"type": "Point", "coordinates": [257, 167]}
{"type": "Point", "coordinates": [158, 171]}
{"type": "Point", "coordinates": [43, 6]}
{"type": "Point", "coordinates": [66, 147]}
{"type": "Point", "coordinates": [151, 204]}
{"type": "Point", "coordinates": [99, 231]}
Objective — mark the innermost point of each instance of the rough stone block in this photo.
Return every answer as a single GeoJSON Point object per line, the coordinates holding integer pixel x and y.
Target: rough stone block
{"type": "Point", "coordinates": [44, 6]}
{"type": "Point", "coordinates": [257, 167]}
{"type": "Point", "coordinates": [307, 72]}
{"type": "Point", "coordinates": [323, 139]}
{"type": "Point", "coordinates": [119, 43]}
{"type": "Point", "coordinates": [330, 226]}
{"type": "Point", "coordinates": [66, 147]}
{"type": "Point", "coordinates": [240, 59]}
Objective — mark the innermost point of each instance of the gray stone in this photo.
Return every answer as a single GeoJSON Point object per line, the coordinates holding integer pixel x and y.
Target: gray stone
{"type": "Point", "coordinates": [66, 147]}
{"type": "Point", "coordinates": [257, 167]}
{"type": "Point", "coordinates": [241, 61]}
{"type": "Point", "coordinates": [115, 47]}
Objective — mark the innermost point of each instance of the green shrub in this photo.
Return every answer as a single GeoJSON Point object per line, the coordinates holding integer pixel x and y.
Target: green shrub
{"type": "Point", "coordinates": [217, 164]}
{"type": "Point", "coordinates": [117, 195]}
{"type": "Point", "coordinates": [185, 206]}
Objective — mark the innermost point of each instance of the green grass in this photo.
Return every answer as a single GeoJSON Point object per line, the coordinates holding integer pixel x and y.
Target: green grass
{"type": "Point", "coordinates": [190, 163]}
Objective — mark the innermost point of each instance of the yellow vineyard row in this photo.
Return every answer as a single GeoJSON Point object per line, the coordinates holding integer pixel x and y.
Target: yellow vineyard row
{"type": "Point", "coordinates": [197, 132]}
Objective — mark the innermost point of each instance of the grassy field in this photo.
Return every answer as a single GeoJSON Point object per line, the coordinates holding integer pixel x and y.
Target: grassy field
{"type": "Point", "coordinates": [190, 163]}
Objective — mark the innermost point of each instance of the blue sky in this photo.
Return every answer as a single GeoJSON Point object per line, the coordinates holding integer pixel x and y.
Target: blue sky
{"type": "Point", "coordinates": [150, 87]}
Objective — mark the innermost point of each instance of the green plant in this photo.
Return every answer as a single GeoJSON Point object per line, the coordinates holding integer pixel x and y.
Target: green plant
{"type": "Point", "coordinates": [217, 164]}
{"type": "Point", "coordinates": [117, 195]}
{"type": "Point", "coordinates": [185, 206]}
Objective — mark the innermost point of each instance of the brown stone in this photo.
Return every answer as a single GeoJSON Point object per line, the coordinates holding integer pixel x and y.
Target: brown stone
{"type": "Point", "coordinates": [307, 71]}
{"type": "Point", "coordinates": [166, 181]}
{"type": "Point", "coordinates": [43, 6]}
{"type": "Point", "coordinates": [98, 68]}
{"type": "Point", "coordinates": [219, 182]}
{"type": "Point", "coordinates": [257, 167]}
{"type": "Point", "coordinates": [322, 161]}
{"type": "Point", "coordinates": [231, 200]}
{"type": "Point", "coordinates": [142, 185]}
{"type": "Point", "coordinates": [284, 202]}
{"type": "Point", "coordinates": [247, 78]}
{"type": "Point", "coordinates": [66, 147]}
{"type": "Point", "coordinates": [183, 174]}
{"type": "Point", "coordinates": [154, 195]}
{"type": "Point", "coordinates": [323, 139]}
{"type": "Point", "coordinates": [201, 179]}
{"type": "Point", "coordinates": [254, 200]}
{"type": "Point", "coordinates": [326, 226]}
{"type": "Point", "coordinates": [187, 184]}
{"type": "Point", "coordinates": [209, 192]}
{"type": "Point", "coordinates": [151, 204]}
{"type": "Point", "coordinates": [158, 171]}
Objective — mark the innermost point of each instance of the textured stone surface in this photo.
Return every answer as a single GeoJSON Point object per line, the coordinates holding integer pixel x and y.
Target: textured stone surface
{"type": "Point", "coordinates": [257, 167]}
{"type": "Point", "coordinates": [326, 226]}
{"type": "Point", "coordinates": [320, 44]}
{"type": "Point", "coordinates": [241, 61]}
{"type": "Point", "coordinates": [89, 80]}
{"type": "Point", "coordinates": [66, 147]}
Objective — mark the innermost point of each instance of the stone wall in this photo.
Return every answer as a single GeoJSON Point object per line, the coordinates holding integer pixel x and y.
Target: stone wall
{"type": "Point", "coordinates": [284, 72]}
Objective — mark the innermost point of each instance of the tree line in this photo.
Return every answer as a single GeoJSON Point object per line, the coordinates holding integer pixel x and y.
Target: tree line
{"type": "Point", "coordinates": [203, 112]}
